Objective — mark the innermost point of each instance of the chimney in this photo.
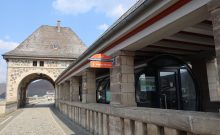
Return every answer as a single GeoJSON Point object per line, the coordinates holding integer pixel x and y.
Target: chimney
{"type": "Point", "coordinates": [58, 25]}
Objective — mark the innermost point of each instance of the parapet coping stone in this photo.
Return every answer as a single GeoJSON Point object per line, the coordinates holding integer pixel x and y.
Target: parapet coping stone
{"type": "Point", "coordinates": [190, 121]}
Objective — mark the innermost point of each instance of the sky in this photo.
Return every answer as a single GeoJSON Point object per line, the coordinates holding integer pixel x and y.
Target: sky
{"type": "Point", "coordinates": [88, 18]}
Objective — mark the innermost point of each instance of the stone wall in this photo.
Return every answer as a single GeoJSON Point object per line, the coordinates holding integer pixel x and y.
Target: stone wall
{"type": "Point", "coordinates": [214, 9]}
{"type": "Point", "coordinates": [213, 80]}
{"type": "Point", "coordinates": [18, 69]}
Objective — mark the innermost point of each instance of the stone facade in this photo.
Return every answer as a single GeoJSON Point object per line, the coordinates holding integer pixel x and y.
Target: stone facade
{"type": "Point", "coordinates": [45, 54]}
{"type": "Point", "coordinates": [18, 69]}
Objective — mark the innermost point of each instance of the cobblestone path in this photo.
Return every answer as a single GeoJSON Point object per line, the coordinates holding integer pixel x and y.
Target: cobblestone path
{"type": "Point", "coordinates": [38, 120]}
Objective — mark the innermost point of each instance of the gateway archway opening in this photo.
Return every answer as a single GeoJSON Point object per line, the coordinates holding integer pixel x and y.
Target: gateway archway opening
{"type": "Point", "coordinates": [35, 86]}
{"type": "Point", "coordinates": [41, 90]}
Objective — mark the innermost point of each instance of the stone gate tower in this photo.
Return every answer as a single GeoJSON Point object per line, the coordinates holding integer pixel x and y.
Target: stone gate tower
{"type": "Point", "coordinates": [43, 55]}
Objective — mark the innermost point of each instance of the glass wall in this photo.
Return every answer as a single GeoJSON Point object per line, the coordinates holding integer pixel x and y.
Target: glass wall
{"type": "Point", "coordinates": [188, 91]}
{"type": "Point", "coordinates": [103, 94]}
{"type": "Point", "coordinates": [146, 91]}
{"type": "Point", "coordinates": [166, 82]}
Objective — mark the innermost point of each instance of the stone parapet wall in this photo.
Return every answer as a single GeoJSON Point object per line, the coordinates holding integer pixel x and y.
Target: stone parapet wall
{"type": "Point", "coordinates": [2, 107]}
{"type": "Point", "coordinates": [105, 119]}
{"type": "Point", "coordinates": [10, 107]}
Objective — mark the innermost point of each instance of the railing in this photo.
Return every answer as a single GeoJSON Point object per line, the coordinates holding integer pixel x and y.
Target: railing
{"type": "Point", "coordinates": [101, 119]}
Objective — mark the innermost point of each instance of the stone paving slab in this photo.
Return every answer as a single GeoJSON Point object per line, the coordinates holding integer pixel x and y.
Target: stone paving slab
{"type": "Point", "coordinates": [38, 120]}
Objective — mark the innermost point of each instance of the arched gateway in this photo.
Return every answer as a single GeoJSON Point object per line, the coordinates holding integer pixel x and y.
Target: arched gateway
{"type": "Point", "coordinates": [43, 55]}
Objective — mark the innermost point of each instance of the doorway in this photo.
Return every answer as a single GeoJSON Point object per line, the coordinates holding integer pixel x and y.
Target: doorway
{"type": "Point", "coordinates": [166, 83]}
{"type": "Point", "coordinates": [168, 89]}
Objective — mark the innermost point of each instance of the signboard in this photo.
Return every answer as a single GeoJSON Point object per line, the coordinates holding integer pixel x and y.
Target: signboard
{"type": "Point", "coordinates": [100, 64]}
{"type": "Point", "coordinates": [100, 61]}
{"type": "Point", "coordinates": [100, 57]}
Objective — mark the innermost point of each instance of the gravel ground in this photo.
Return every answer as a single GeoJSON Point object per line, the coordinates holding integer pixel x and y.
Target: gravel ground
{"type": "Point", "coordinates": [37, 120]}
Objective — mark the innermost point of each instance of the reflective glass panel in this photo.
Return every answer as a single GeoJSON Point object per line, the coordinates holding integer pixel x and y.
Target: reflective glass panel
{"type": "Point", "coordinates": [188, 91]}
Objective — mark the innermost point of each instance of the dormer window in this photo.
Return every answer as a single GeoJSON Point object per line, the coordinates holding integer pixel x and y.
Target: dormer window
{"type": "Point", "coordinates": [55, 46]}
{"type": "Point", "coordinates": [41, 63]}
{"type": "Point", "coordinates": [34, 63]}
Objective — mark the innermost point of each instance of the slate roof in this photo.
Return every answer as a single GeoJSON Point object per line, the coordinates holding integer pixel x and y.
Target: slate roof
{"type": "Point", "coordinates": [47, 42]}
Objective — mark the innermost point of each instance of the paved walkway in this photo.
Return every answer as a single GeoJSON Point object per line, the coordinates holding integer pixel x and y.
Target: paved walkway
{"type": "Point", "coordinates": [40, 120]}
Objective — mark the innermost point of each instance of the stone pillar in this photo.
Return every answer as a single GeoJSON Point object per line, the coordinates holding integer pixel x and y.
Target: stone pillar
{"type": "Point", "coordinates": [100, 123]}
{"type": "Point", "coordinates": [140, 128]}
{"type": "Point", "coordinates": [105, 124]}
{"type": "Point", "coordinates": [56, 95]}
{"type": "Point", "coordinates": [116, 126]}
{"type": "Point", "coordinates": [88, 86]}
{"type": "Point", "coordinates": [128, 127]}
{"type": "Point", "coordinates": [214, 8]}
{"type": "Point", "coordinates": [91, 121]}
{"type": "Point", "coordinates": [67, 90]}
{"type": "Point", "coordinates": [87, 120]}
{"type": "Point", "coordinates": [153, 129]}
{"type": "Point", "coordinates": [58, 92]}
{"type": "Point", "coordinates": [170, 131]}
{"type": "Point", "coordinates": [75, 88]}
{"type": "Point", "coordinates": [62, 91]}
{"type": "Point", "coordinates": [122, 79]}
{"type": "Point", "coordinates": [213, 79]}
{"type": "Point", "coordinates": [71, 90]}
{"type": "Point", "coordinates": [95, 132]}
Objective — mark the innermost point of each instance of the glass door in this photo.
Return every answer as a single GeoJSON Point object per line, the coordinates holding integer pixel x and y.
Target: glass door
{"type": "Point", "coordinates": [168, 89]}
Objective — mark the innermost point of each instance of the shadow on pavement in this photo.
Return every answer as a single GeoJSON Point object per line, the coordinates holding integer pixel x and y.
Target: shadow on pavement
{"type": "Point", "coordinates": [70, 124]}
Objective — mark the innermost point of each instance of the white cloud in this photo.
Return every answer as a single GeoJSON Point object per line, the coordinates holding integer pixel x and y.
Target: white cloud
{"type": "Point", "coordinates": [73, 6]}
{"type": "Point", "coordinates": [117, 11]}
{"type": "Point", "coordinates": [3, 70]}
{"type": "Point", "coordinates": [103, 27]}
{"type": "Point", "coordinates": [112, 8]}
{"type": "Point", "coordinates": [5, 46]}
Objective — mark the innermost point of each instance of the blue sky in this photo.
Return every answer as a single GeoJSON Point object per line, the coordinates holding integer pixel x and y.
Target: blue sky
{"type": "Point", "coordinates": [88, 18]}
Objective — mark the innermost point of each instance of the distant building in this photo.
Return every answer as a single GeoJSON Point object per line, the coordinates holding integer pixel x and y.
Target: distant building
{"type": "Point", "coordinates": [43, 55]}
{"type": "Point", "coordinates": [50, 95]}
